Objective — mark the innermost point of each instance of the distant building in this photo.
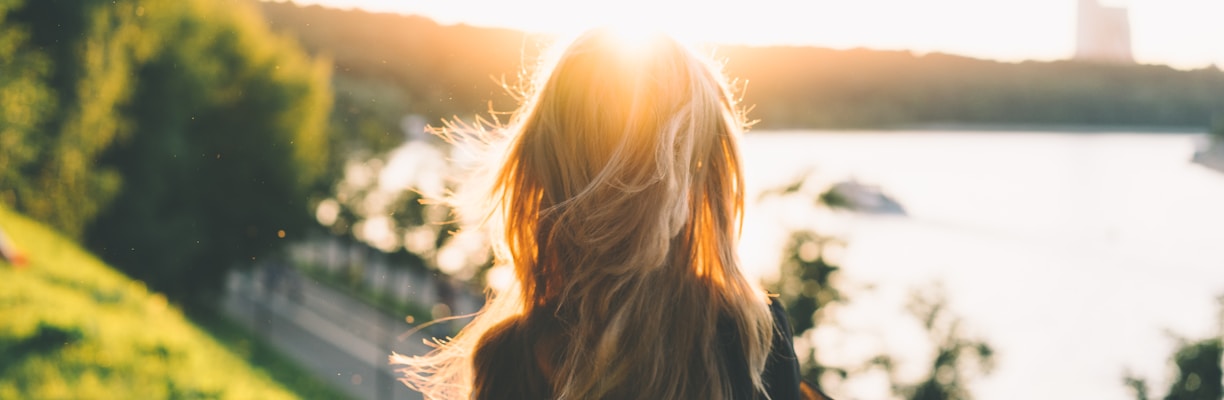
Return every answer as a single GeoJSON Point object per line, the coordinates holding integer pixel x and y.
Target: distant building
{"type": "Point", "coordinates": [1103, 33]}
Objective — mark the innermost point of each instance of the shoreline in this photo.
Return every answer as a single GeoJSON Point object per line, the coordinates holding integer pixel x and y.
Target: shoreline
{"type": "Point", "coordinates": [1003, 128]}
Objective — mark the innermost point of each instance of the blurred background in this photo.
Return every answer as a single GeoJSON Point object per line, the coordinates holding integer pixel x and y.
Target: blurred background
{"type": "Point", "coordinates": [955, 199]}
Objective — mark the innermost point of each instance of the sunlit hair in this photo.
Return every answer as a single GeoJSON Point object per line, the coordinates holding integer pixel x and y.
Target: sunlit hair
{"type": "Point", "coordinates": [616, 196]}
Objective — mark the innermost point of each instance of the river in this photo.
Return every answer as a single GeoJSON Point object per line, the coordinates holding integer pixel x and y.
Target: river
{"type": "Point", "coordinates": [1078, 256]}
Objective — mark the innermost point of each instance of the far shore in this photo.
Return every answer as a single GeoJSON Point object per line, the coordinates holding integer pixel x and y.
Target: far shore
{"type": "Point", "coordinates": [1003, 128]}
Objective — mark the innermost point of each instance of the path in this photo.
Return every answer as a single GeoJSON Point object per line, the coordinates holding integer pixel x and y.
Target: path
{"type": "Point", "coordinates": [339, 338]}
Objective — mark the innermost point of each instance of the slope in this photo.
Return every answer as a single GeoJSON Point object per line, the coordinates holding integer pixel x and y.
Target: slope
{"type": "Point", "coordinates": [73, 327]}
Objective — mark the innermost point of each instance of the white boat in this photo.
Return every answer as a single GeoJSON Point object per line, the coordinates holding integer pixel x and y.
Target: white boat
{"type": "Point", "coordinates": [1210, 154]}
{"type": "Point", "coordinates": [858, 197]}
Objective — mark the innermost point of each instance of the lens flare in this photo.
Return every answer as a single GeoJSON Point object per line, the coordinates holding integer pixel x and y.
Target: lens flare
{"type": "Point", "coordinates": [633, 39]}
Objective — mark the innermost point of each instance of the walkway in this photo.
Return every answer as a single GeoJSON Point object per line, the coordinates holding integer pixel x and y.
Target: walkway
{"type": "Point", "coordinates": [341, 339]}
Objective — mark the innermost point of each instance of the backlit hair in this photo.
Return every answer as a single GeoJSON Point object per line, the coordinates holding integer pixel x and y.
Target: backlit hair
{"type": "Point", "coordinates": [615, 194]}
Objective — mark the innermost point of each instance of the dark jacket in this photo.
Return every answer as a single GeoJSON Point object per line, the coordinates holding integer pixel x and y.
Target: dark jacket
{"type": "Point", "coordinates": [781, 376]}
{"type": "Point", "coordinates": [506, 376]}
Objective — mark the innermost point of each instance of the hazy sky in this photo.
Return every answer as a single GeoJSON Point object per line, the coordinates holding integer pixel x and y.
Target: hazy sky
{"type": "Point", "coordinates": [1181, 33]}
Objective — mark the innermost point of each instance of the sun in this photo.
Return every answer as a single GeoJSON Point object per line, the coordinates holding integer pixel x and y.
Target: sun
{"type": "Point", "coordinates": [633, 40]}
{"type": "Point", "coordinates": [635, 22]}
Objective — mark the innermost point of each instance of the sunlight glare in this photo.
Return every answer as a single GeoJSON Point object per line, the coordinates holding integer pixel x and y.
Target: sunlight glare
{"type": "Point", "coordinates": [633, 40]}
{"type": "Point", "coordinates": [1175, 32]}
{"type": "Point", "coordinates": [636, 22]}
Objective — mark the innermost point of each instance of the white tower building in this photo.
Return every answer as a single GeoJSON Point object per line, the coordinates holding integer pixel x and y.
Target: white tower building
{"type": "Point", "coordinates": [1103, 33]}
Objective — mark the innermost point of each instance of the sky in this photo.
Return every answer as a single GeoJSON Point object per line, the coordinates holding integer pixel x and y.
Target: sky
{"type": "Point", "coordinates": [1185, 34]}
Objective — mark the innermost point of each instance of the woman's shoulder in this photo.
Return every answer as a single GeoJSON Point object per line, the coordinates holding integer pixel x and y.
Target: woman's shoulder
{"type": "Point", "coordinates": [780, 317]}
{"type": "Point", "coordinates": [506, 365]}
{"type": "Point", "coordinates": [782, 375]}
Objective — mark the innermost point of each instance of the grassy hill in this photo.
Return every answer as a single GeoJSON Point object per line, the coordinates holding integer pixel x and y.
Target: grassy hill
{"type": "Point", "coordinates": [73, 327]}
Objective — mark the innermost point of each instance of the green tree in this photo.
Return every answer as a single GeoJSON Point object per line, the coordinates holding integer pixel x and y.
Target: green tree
{"type": "Point", "coordinates": [85, 53]}
{"type": "Point", "coordinates": [1198, 371]}
{"type": "Point", "coordinates": [228, 136]}
{"type": "Point", "coordinates": [176, 138]}
{"type": "Point", "coordinates": [807, 290]}
{"type": "Point", "coordinates": [957, 357]}
{"type": "Point", "coordinates": [1199, 375]}
{"type": "Point", "coordinates": [25, 103]}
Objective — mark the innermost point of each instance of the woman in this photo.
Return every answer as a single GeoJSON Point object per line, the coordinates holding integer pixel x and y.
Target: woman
{"type": "Point", "coordinates": [616, 197]}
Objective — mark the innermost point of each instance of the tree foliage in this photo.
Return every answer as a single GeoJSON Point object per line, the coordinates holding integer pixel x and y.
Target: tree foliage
{"type": "Point", "coordinates": [1199, 371]}
{"type": "Point", "coordinates": [807, 289]}
{"type": "Point", "coordinates": [25, 102]}
{"type": "Point", "coordinates": [957, 359]}
{"type": "Point", "coordinates": [74, 69]}
{"type": "Point", "coordinates": [176, 138]}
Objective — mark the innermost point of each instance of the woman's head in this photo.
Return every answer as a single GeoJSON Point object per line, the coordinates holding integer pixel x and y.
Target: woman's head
{"type": "Point", "coordinates": [616, 198]}
{"type": "Point", "coordinates": [625, 145]}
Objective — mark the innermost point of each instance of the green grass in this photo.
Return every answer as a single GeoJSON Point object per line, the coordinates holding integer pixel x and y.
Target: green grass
{"type": "Point", "coordinates": [72, 327]}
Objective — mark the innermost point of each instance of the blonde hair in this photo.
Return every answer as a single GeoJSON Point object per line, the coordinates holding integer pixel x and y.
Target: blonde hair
{"type": "Point", "coordinates": [616, 197]}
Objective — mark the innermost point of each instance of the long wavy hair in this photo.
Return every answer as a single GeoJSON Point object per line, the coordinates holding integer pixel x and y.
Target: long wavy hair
{"type": "Point", "coordinates": [615, 193]}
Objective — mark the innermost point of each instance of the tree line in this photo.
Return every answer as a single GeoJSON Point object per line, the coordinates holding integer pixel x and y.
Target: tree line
{"type": "Point", "coordinates": [443, 71]}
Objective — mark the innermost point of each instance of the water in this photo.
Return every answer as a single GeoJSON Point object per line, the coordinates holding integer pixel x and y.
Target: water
{"type": "Point", "coordinates": [1074, 254]}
